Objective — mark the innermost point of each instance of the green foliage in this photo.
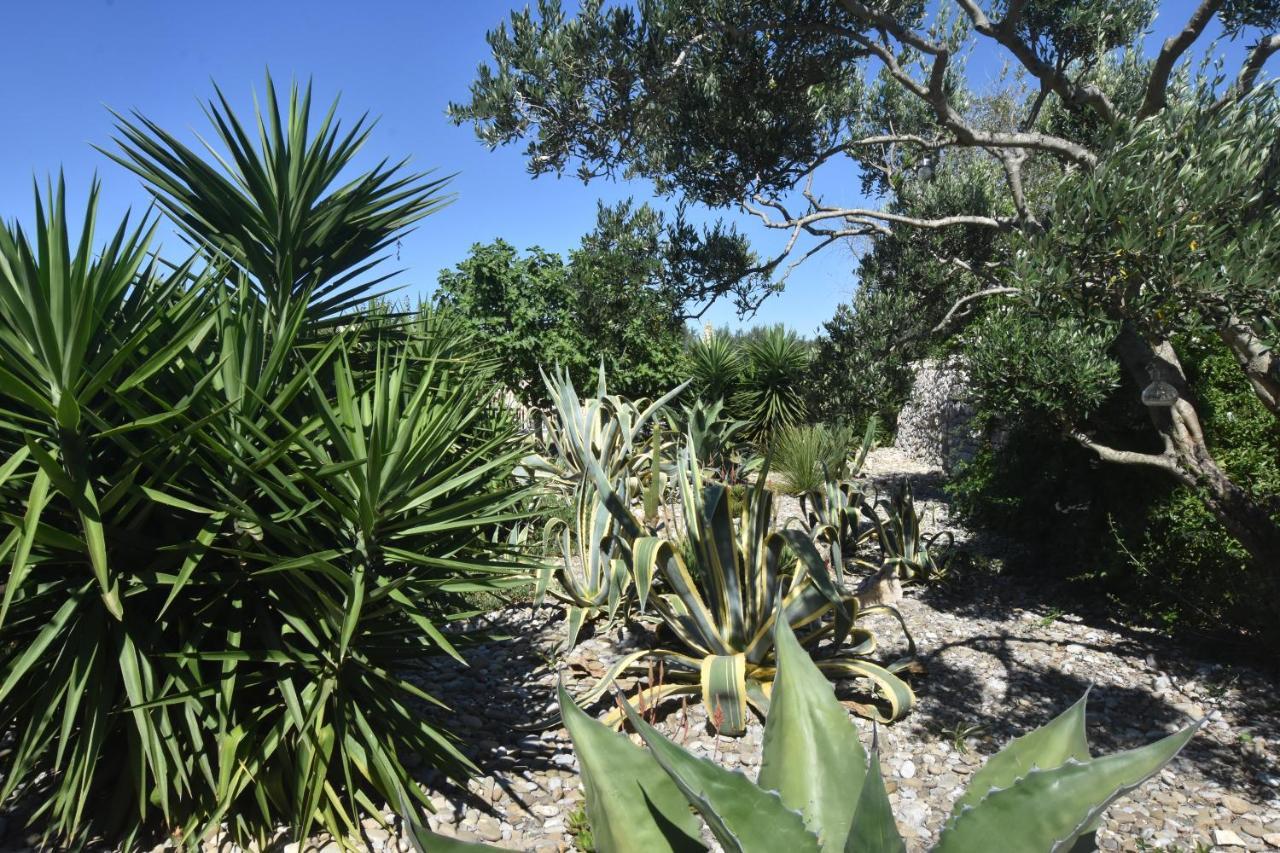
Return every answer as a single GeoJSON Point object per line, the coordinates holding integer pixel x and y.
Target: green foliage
{"type": "Point", "coordinates": [230, 520]}
{"type": "Point", "coordinates": [622, 298]}
{"type": "Point", "coordinates": [1176, 228]}
{"type": "Point", "coordinates": [805, 457]}
{"type": "Point", "coordinates": [722, 602]}
{"type": "Point", "coordinates": [1056, 371]}
{"type": "Point", "coordinates": [774, 377]}
{"type": "Point", "coordinates": [819, 790]}
{"type": "Point", "coordinates": [1150, 545]}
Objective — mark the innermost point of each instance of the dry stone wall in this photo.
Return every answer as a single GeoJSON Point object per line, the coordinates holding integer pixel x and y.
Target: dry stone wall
{"type": "Point", "coordinates": [935, 426]}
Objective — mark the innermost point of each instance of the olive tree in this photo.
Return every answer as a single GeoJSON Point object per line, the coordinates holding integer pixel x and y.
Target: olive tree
{"type": "Point", "coordinates": [1136, 194]}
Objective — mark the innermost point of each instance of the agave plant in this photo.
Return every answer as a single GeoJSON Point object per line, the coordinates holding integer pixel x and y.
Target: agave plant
{"type": "Point", "coordinates": [820, 791]}
{"type": "Point", "coordinates": [605, 428]}
{"type": "Point", "coordinates": [229, 521]}
{"type": "Point", "coordinates": [595, 575]}
{"type": "Point", "coordinates": [711, 435]}
{"type": "Point", "coordinates": [911, 553]}
{"type": "Point", "coordinates": [721, 605]}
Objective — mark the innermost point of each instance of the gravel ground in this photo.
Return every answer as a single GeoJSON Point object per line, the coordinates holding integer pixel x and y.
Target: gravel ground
{"type": "Point", "coordinates": [1000, 657]}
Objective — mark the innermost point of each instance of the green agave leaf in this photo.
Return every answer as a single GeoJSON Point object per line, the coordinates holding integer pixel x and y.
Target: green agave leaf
{"type": "Point", "coordinates": [1049, 746]}
{"type": "Point", "coordinates": [631, 803]}
{"type": "Point", "coordinates": [812, 756]}
{"type": "Point", "coordinates": [744, 817]}
{"type": "Point", "coordinates": [874, 829]}
{"type": "Point", "coordinates": [1050, 809]}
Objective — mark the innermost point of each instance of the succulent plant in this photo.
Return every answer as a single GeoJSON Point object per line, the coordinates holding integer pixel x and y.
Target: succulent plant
{"type": "Point", "coordinates": [721, 600]}
{"type": "Point", "coordinates": [819, 791]}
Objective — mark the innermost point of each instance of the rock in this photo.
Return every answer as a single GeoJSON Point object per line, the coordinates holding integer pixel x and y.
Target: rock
{"type": "Point", "coordinates": [489, 829]}
{"type": "Point", "coordinates": [1236, 805]}
{"type": "Point", "coordinates": [907, 769]}
{"type": "Point", "coordinates": [1227, 838]}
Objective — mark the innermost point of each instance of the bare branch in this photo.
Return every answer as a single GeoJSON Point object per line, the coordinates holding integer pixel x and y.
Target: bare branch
{"type": "Point", "coordinates": [965, 300]}
{"type": "Point", "coordinates": [1164, 461]}
{"type": "Point", "coordinates": [1005, 33]}
{"type": "Point", "coordinates": [1170, 51]}
{"type": "Point", "coordinates": [934, 94]}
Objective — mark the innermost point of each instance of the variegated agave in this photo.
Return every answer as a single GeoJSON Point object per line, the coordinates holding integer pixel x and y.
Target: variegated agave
{"type": "Point", "coordinates": [607, 428]}
{"type": "Point", "coordinates": [595, 574]}
{"type": "Point", "coordinates": [722, 603]}
{"type": "Point", "coordinates": [912, 553]}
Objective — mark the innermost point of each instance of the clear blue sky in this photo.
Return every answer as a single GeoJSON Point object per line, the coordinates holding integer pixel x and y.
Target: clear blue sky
{"type": "Point", "coordinates": [64, 63]}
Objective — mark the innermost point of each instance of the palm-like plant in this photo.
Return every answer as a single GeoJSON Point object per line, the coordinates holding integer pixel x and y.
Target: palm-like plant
{"type": "Point", "coordinates": [717, 367]}
{"type": "Point", "coordinates": [272, 203]}
{"type": "Point", "coordinates": [230, 521]}
{"type": "Point", "coordinates": [772, 392]}
{"type": "Point", "coordinates": [722, 604]}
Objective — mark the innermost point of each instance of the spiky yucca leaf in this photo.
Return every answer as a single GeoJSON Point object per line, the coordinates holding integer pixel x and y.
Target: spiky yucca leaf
{"type": "Point", "coordinates": [227, 528]}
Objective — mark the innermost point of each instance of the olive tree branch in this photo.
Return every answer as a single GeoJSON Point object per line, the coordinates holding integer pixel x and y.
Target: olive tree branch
{"type": "Point", "coordinates": [1170, 52]}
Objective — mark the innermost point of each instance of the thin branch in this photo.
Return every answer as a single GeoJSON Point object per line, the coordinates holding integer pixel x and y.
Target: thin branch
{"type": "Point", "coordinates": [965, 300]}
{"type": "Point", "coordinates": [1170, 52]}
{"type": "Point", "coordinates": [1164, 461]}
{"type": "Point", "coordinates": [1005, 33]}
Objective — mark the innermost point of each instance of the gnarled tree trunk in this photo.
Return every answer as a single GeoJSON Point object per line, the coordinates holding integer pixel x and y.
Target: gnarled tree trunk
{"type": "Point", "coordinates": [1187, 455]}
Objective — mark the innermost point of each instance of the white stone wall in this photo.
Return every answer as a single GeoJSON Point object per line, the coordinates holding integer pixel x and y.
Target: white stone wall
{"type": "Point", "coordinates": [935, 424]}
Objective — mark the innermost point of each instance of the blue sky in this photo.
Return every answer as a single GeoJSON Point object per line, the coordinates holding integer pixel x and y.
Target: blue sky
{"type": "Point", "coordinates": [64, 63]}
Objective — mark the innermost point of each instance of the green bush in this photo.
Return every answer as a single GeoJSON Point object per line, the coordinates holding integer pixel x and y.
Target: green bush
{"type": "Point", "coordinates": [1129, 532]}
{"type": "Point", "coordinates": [805, 457]}
{"type": "Point", "coordinates": [235, 506]}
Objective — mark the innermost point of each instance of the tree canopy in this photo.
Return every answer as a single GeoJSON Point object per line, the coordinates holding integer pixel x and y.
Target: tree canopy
{"type": "Point", "coordinates": [1104, 197]}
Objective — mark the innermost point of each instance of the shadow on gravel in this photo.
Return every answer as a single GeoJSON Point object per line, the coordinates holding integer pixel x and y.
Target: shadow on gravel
{"type": "Point", "coordinates": [498, 705]}
{"type": "Point", "coordinates": [1120, 716]}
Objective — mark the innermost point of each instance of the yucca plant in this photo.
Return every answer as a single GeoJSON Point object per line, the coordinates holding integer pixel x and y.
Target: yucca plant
{"type": "Point", "coordinates": [717, 366]}
{"type": "Point", "coordinates": [721, 605]}
{"type": "Point", "coordinates": [230, 521]}
{"type": "Point", "coordinates": [772, 391]}
{"type": "Point", "coordinates": [806, 457]}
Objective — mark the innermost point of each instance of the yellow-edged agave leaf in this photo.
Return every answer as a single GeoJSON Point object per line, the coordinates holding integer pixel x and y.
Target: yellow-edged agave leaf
{"type": "Point", "coordinates": [724, 692]}
{"type": "Point", "coordinates": [1050, 809]}
{"type": "Point", "coordinates": [744, 817]}
{"type": "Point", "coordinates": [896, 692]}
{"type": "Point", "coordinates": [1061, 739]}
{"type": "Point", "coordinates": [812, 756]}
{"type": "Point", "coordinates": [633, 806]}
